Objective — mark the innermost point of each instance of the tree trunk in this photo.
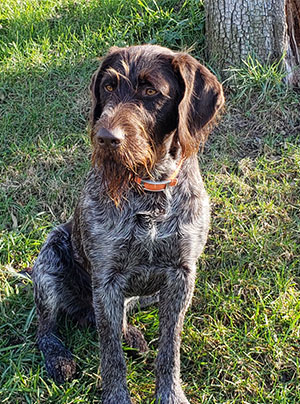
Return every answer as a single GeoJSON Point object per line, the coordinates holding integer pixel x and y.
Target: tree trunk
{"type": "Point", "coordinates": [265, 28]}
{"type": "Point", "coordinates": [292, 59]}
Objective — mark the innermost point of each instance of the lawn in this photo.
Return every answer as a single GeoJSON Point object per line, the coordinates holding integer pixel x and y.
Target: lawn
{"type": "Point", "coordinates": [241, 339]}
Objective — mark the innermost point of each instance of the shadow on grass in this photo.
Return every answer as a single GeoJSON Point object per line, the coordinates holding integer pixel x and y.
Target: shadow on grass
{"type": "Point", "coordinates": [22, 367]}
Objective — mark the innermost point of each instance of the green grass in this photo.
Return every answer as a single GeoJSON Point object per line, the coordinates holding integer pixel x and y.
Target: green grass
{"type": "Point", "coordinates": [241, 339]}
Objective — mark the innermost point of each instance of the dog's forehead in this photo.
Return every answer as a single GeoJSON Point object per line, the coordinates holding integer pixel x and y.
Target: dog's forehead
{"type": "Point", "coordinates": [141, 62]}
{"type": "Point", "coordinates": [144, 55]}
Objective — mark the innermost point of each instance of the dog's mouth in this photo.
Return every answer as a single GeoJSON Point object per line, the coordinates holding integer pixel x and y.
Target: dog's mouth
{"type": "Point", "coordinates": [120, 165]}
{"type": "Point", "coordinates": [135, 154]}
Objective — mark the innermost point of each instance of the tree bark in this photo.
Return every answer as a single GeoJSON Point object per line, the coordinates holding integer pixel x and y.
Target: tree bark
{"type": "Point", "coordinates": [263, 28]}
{"type": "Point", "coordinates": [292, 59]}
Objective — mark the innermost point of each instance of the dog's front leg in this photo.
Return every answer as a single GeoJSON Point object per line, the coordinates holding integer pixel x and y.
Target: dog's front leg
{"type": "Point", "coordinates": [175, 297]}
{"type": "Point", "coordinates": [108, 300]}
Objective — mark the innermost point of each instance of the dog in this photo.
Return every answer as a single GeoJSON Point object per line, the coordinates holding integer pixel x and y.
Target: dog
{"type": "Point", "coordinates": [141, 221]}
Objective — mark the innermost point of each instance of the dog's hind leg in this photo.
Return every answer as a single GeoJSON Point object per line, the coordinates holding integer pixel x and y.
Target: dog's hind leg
{"type": "Point", "coordinates": [56, 289]}
{"type": "Point", "coordinates": [132, 335]}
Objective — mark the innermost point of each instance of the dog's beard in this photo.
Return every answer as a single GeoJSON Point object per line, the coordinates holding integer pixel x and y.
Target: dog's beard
{"type": "Point", "coordinates": [116, 179]}
{"type": "Point", "coordinates": [120, 167]}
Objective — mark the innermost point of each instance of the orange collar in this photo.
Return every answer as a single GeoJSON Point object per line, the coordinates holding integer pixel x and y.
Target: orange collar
{"type": "Point", "coordinates": [158, 186]}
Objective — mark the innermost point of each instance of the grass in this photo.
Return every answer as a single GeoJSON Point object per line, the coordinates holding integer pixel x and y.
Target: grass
{"type": "Point", "coordinates": [241, 339]}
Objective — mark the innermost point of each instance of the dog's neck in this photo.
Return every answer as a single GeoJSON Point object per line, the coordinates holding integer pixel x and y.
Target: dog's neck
{"type": "Point", "coordinates": [166, 169]}
{"type": "Point", "coordinates": [157, 186]}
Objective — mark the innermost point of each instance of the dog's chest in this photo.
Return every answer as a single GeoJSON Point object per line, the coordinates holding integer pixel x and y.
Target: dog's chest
{"type": "Point", "coordinates": [140, 243]}
{"type": "Point", "coordinates": [152, 232]}
{"type": "Point", "coordinates": [149, 246]}
{"type": "Point", "coordinates": [142, 235]}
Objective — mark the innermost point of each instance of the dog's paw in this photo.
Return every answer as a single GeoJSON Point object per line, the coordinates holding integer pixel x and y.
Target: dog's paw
{"type": "Point", "coordinates": [135, 339]}
{"type": "Point", "coordinates": [172, 396]}
{"type": "Point", "coordinates": [117, 395]}
{"type": "Point", "coordinates": [61, 368]}
{"type": "Point", "coordinates": [59, 361]}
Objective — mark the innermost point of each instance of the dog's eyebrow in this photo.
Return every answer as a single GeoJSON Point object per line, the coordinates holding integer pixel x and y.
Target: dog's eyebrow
{"type": "Point", "coordinates": [113, 72]}
{"type": "Point", "coordinates": [125, 67]}
{"type": "Point", "coordinates": [156, 80]}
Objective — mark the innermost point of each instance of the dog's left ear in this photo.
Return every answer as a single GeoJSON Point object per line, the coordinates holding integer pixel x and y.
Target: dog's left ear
{"type": "Point", "coordinates": [201, 99]}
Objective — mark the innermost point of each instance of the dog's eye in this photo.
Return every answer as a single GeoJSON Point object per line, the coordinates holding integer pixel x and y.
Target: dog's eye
{"type": "Point", "coordinates": [109, 88]}
{"type": "Point", "coordinates": [150, 91]}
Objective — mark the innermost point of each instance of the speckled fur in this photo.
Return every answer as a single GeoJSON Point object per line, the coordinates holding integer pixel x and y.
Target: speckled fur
{"type": "Point", "coordinates": [125, 245]}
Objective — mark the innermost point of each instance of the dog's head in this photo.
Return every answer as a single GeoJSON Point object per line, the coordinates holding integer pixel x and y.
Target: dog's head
{"type": "Point", "coordinates": [148, 101]}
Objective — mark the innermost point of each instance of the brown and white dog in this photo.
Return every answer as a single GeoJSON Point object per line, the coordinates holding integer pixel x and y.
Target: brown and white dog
{"type": "Point", "coordinates": [141, 221]}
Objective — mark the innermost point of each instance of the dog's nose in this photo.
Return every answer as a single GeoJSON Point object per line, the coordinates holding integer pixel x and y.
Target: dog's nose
{"type": "Point", "coordinates": [110, 139]}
